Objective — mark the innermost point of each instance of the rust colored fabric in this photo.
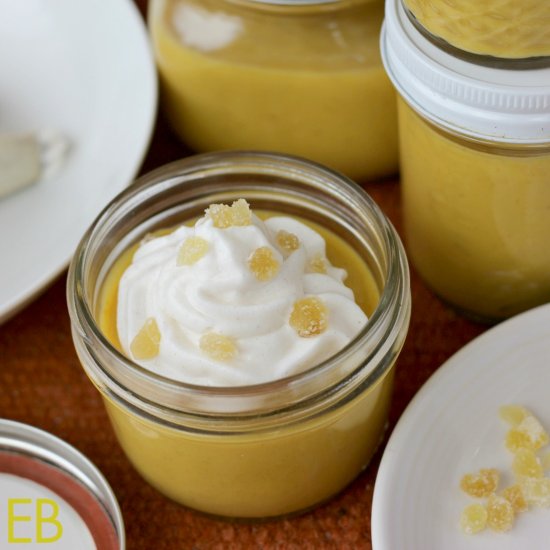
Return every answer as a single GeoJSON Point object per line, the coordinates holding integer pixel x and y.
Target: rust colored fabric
{"type": "Point", "coordinates": [42, 384]}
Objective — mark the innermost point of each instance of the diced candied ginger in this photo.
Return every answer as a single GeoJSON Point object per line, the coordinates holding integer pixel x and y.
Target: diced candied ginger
{"type": "Point", "coordinates": [482, 484]}
{"type": "Point", "coordinates": [263, 264]}
{"type": "Point", "coordinates": [513, 414]}
{"type": "Point", "coordinates": [473, 518]}
{"type": "Point", "coordinates": [223, 215]}
{"type": "Point", "coordinates": [537, 491]}
{"type": "Point", "coordinates": [528, 434]}
{"type": "Point", "coordinates": [526, 464]}
{"type": "Point", "coordinates": [309, 317]}
{"type": "Point", "coordinates": [500, 514]}
{"type": "Point", "coordinates": [288, 242]}
{"type": "Point", "coordinates": [192, 250]}
{"type": "Point", "coordinates": [514, 495]}
{"type": "Point", "coordinates": [146, 342]}
{"type": "Point", "coordinates": [218, 346]}
{"type": "Point", "coordinates": [317, 264]}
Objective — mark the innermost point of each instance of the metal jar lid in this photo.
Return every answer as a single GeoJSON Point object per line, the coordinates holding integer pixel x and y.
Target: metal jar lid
{"type": "Point", "coordinates": [41, 464]}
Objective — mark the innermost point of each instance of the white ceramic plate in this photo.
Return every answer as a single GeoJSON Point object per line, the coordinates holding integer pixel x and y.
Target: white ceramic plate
{"type": "Point", "coordinates": [83, 68]}
{"type": "Point", "coordinates": [450, 428]}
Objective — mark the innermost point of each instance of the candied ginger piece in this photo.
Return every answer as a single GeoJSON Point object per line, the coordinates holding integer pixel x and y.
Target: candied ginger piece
{"type": "Point", "coordinates": [218, 346]}
{"type": "Point", "coordinates": [263, 264]}
{"type": "Point", "coordinates": [528, 434]}
{"type": "Point", "coordinates": [317, 264]}
{"type": "Point", "coordinates": [513, 414]}
{"type": "Point", "coordinates": [146, 342]}
{"type": "Point", "coordinates": [514, 495]}
{"type": "Point", "coordinates": [526, 464]}
{"type": "Point", "coordinates": [309, 317]}
{"type": "Point", "coordinates": [288, 242]}
{"type": "Point", "coordinates": [473, 519]}
{"type": "Point", "coordinates": [482, 484]}
{"type": "Point", "coordinates": [223, 215]}
{"type": "Point", "coordinates": [500, 514]}
{"type": "Point", "coordinates": [192, 250]}
{"type": "Point", "coordinates": [537, 491]}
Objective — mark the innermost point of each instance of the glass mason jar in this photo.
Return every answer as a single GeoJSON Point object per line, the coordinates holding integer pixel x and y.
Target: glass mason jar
{"type": "Point", "coordinates": [260, 450]}
{"type": "Point", "coordinates": [503, 29]}
{"type": "Point", "coordinates": [299, 77]}
{"type": "Point", "coordinates": [475, 168]}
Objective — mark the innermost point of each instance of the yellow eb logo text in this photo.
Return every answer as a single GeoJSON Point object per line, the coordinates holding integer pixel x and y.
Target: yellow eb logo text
{"type": "Point", "coordinates": [45, 512]}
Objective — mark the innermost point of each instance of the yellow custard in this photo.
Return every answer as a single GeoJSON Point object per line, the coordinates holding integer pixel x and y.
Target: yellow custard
{"type": "Point", "coordinates": [300, 80]}
{"type": "Point", "coordinates": [477, 218]}
{"type": "Point", "coordinates": [276, 470]}
{"type": "Point", "coordinates": [500, 28]}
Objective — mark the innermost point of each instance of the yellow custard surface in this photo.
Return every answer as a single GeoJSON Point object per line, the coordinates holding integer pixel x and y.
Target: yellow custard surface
{"type": "Point", "coordinates": [306, 83]}
{"type": "Point", "coordinates": [500, 28]}
{"type": "Point", "coordinates": [477, 221]}
{"type": "Point", "coordinates": [269, 471]}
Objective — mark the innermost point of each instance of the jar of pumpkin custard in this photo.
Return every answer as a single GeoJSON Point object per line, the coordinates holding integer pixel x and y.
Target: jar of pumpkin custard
{"type": "Point", "coordinates": [241, 315]}
{"type": "Point", "coordinates": [475, 171]}
{"type": "Point", "coordinates": [302, 77]}
{"type": "Point", "coordinates": [506, 29]}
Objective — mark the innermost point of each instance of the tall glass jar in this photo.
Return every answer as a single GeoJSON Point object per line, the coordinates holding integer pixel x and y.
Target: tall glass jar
{"type": "Point", "coordinates": [266, 449]}
{"type": "Point", "coordinates": [300, 77]}
{"type": "Point", "coordinates": [475, 167]}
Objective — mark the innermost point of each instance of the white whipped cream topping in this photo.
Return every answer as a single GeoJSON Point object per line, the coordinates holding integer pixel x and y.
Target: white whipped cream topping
{"type": "Point", "coordinates": [220, 294]}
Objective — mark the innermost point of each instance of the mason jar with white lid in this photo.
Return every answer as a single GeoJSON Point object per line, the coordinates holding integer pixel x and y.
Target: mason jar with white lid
{"type": "Point", "coordinates": [302, 77]}
{"type": "Point", "coordinates": [475, 167]}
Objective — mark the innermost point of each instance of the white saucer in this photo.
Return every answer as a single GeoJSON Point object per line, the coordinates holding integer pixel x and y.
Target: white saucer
{"type": "Point", "coordinates": [84, 69]}
{"type": "Point", "coordinates": [452, 427]}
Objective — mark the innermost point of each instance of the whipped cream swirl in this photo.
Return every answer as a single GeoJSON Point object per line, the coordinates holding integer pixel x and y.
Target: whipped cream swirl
{"type": "Point", "coordinates": [219, 294]}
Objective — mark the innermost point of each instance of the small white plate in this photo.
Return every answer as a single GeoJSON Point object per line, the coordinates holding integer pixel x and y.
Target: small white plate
{"type": "Point", "coordinates": [83, 69]}
{"type": "Point", "coordinates": [450, 428]}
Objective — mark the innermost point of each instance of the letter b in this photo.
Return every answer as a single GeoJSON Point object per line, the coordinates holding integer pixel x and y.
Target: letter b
{"type": "Point", "coordinates": [51, 519]}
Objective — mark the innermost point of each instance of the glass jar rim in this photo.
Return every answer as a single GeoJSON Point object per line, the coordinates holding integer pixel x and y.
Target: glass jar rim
{"type": "Point", "coordinates": [390, 315]}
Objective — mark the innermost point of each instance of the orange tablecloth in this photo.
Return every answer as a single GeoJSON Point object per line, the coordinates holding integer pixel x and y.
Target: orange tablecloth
{"type": "Point", "coordinates": [42, 384]}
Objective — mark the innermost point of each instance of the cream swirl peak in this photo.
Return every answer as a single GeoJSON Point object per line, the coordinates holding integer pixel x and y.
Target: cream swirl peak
{"type": "Point", "coordinates": [234, 300]}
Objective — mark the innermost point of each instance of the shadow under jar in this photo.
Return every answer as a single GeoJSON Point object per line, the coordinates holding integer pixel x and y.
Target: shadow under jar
{"type": "Point", "coordinates": [475, 173]}
{"type": "Point", "coordinates": [299, 77]}
{"type": "Point", "coordinates": [259, 450]}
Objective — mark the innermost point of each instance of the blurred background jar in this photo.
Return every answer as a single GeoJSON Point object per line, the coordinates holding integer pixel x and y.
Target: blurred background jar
{"type": "Point", "coordinates": [301, 77]}
{"type": "Point", "coordinates": [508, 29]}
{"type": "Point", "coordinates": [475, 172]}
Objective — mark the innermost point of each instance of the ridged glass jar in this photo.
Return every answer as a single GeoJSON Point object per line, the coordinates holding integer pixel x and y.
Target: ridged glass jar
{"type": "Point", "coordinates": [298, 77]}
{"type": "Point", "coordinates": [261, 450]}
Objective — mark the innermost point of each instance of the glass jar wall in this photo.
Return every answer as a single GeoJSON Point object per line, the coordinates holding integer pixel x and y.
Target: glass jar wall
{"type": "Point", "coordinates": [301, 77]}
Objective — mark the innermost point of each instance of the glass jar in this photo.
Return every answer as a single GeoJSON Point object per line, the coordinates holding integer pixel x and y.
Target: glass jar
{"type": "Point", "coordinates": [300, 77]}
{"type": "Point", "coordinates": [504, 29]}
{"type": "Point", "coordinates": [475, 168]}
{"type": "Point", "coordinates": [259, 450]}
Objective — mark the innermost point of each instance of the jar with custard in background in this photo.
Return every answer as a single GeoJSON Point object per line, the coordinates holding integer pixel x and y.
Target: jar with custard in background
{"type": "Point", "coordinates": [475, 169]}
{"type": "Point", "coordinates": [505, 29]}
{"type": "Point", "coordinates": [244, 374]}
{"type": "Point", "coordinates": [299, 77]}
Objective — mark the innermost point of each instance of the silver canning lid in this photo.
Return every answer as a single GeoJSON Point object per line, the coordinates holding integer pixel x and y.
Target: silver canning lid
{"type": "Point", "coordinates": [24, 443]}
